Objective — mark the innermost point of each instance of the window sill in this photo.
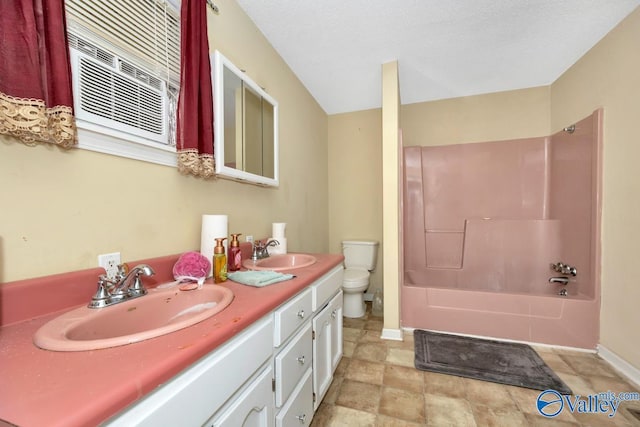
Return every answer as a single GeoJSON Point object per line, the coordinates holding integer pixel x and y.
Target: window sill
{"type": "Point", "coordinates": [93, 138]}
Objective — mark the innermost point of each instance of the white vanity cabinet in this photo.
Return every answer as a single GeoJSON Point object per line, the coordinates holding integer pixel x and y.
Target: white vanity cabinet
{"type": "Point", "coordinates": [274, 373]}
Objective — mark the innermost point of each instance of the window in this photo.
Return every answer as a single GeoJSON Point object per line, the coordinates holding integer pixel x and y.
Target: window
{"type": "Point", "coordinates": [125, 59]}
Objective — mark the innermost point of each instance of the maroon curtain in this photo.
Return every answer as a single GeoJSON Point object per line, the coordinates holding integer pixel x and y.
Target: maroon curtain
{"type": "Point", "coordinates": [195, 102]}
{"type": "Point", "coordinates": [36, 97]}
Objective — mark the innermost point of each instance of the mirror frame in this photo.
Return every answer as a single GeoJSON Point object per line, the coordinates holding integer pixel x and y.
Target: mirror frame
{"type": "Point", "coordinates": [219, 62]}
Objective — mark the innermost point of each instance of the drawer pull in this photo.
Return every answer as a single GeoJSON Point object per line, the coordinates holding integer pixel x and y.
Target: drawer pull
{"type": "Point", "coordinates": [301, 314]}
{"type": "Point", "coordinates": [301, 418]}
{"type": "Point", "coordinates": [300, 360]}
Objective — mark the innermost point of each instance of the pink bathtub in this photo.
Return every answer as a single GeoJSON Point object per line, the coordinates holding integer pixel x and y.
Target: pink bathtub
{"type": "Point", "coordinates": [483, 222]}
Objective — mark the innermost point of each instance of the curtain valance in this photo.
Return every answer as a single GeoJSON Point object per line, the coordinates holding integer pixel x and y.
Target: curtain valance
{"type": "Point", "coordinates": [36, 96]}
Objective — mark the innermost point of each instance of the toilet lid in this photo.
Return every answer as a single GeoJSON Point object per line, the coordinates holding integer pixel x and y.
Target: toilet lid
{"type": "Point", "coordinates": [355, 275]}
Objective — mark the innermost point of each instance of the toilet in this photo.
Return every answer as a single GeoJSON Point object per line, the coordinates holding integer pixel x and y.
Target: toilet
{"type": "Point", "coordinates": [360, 258]}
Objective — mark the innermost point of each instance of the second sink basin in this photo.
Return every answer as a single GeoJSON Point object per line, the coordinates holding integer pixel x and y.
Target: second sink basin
{"type": "Point", "coordinates": [281, 262]}
{"type": "Point", "coordinates": [159, 312]}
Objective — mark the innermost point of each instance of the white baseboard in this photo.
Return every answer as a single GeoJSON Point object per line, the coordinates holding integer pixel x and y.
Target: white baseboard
{"type": "Point", "coordinates": [392, 334]}
{"type": "Point", "coordinates": [625, 368]}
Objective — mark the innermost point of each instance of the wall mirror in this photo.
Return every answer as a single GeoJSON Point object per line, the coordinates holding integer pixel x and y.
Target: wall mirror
{"type": "Point", "coordinates": [245, 128]}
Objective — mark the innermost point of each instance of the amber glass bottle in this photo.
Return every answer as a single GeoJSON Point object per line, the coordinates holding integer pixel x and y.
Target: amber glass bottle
{"type": "Point", "coordinates": [219, 261]}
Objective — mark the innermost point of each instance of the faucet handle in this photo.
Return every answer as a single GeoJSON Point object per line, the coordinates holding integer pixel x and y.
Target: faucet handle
{"type": "Point", "coordinates": [136, 288]}
{"type": "Point", "coordinates": [101, 297]}
{"type": "Point", "coordinates": [103, 287]}
{"type": "Point", "coordinates": [562, 268]}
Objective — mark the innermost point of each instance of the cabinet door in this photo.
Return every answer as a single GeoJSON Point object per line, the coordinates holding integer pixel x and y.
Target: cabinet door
{"type": "Point", "coordinates": [336, 330]}
{"type": "Point", "coordinates": [322, 363]}
{"type": "Point", "coordinates": [253, 407]}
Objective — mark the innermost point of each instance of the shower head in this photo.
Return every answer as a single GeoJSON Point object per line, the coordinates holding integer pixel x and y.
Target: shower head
{"type": "Point", "coordinates": [570, 129]}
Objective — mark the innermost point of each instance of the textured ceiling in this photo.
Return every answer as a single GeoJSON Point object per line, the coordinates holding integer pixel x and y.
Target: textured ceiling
{"type": "Point", "coordinates": [444, 48]}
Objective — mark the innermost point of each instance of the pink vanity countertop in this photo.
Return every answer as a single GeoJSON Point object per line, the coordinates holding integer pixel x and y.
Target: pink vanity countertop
{"type": "Point", "coordinates": [46, 388]}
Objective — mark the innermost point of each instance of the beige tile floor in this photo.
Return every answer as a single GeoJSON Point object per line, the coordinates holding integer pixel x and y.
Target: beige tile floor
{"type": "Point", "coordinates": [376, 384]}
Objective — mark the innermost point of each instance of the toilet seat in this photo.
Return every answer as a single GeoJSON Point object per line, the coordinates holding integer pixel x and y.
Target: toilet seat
{"type": "Point", "coordinates": [353, 278]}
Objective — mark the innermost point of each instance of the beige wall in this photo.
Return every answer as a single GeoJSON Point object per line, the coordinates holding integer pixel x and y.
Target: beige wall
{"type": "Point", "coordinates": [607, 76]}
{"type": "Point", "coordinates": [495, 116]}
{"type": "Point", "coordinates": [59, 209]}
{"type": "Point", "coordinates": [355, 180]}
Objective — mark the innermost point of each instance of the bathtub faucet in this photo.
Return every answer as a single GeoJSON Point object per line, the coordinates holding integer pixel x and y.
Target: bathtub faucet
{"type": "Point", "coordinates": [561, 280]}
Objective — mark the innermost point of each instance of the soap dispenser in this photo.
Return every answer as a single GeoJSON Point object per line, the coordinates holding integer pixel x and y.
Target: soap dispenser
{"type": "Point", "coordinates": [219, 261]}
{"type": "Point", "coordinates": [235, 254]}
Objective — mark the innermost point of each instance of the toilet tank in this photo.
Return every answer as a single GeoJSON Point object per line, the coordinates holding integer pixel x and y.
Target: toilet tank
{"type": "Point", "coordinates": [362, 254]}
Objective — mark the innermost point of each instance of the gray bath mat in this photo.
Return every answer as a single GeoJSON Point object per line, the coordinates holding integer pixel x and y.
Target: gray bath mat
{"type": "Point", "coordinates": [487, 360]}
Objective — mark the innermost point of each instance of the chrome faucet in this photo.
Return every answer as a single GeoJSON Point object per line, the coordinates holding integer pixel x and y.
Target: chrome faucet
{"type": "Point", "coordinates": [126, 285]}
{"type": "Point", "coordinates": [561, 280]}
{"type": "Point", "coordinates": [260, 249]}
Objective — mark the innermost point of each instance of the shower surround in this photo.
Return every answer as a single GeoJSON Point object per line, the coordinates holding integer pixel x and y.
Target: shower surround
{"type": "Point", "coordinates": [483, 222]}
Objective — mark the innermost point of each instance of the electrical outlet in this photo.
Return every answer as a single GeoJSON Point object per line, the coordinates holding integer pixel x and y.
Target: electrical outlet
{"type": "Point", "coordinates": [110, 263]}
{"type": "Point", "coordinates": [249, 239]}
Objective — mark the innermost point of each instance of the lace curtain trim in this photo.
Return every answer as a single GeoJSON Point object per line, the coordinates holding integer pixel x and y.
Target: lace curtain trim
{"type": "Point", "coordinates": [32, 122]}
{"type": "Point", "coordinates": [190, 162]}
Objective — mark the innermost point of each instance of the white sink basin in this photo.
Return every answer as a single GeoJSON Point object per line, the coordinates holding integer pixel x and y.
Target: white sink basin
{"type": "Point", "coordinates": [281, 262]}
{"type": "Point", "coordinates": [159, 312]}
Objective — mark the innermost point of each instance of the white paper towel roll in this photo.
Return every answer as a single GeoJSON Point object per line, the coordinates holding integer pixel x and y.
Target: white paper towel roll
{"type": "Point", "coordinates": [277, 230]}
{"type": "Point", "coordinates": [213, 226]}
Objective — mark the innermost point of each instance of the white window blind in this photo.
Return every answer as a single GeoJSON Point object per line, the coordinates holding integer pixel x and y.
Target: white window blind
{"type": "Point", "coordinates": [146, 32]}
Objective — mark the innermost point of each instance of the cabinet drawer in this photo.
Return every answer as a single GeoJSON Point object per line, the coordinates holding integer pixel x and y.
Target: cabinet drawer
{"type": "Point", "coordinates": [291, 364]}
{"type": "Point", "coordinates": [326, 287]}
{"type": "Point", "coordinates": [299, 409]}
{"type": "Point", "coordinates": [290, 316]}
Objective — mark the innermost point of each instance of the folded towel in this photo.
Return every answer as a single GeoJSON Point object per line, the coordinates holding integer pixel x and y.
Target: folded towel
{"type": "Point", "coordinates": [259, 278]}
